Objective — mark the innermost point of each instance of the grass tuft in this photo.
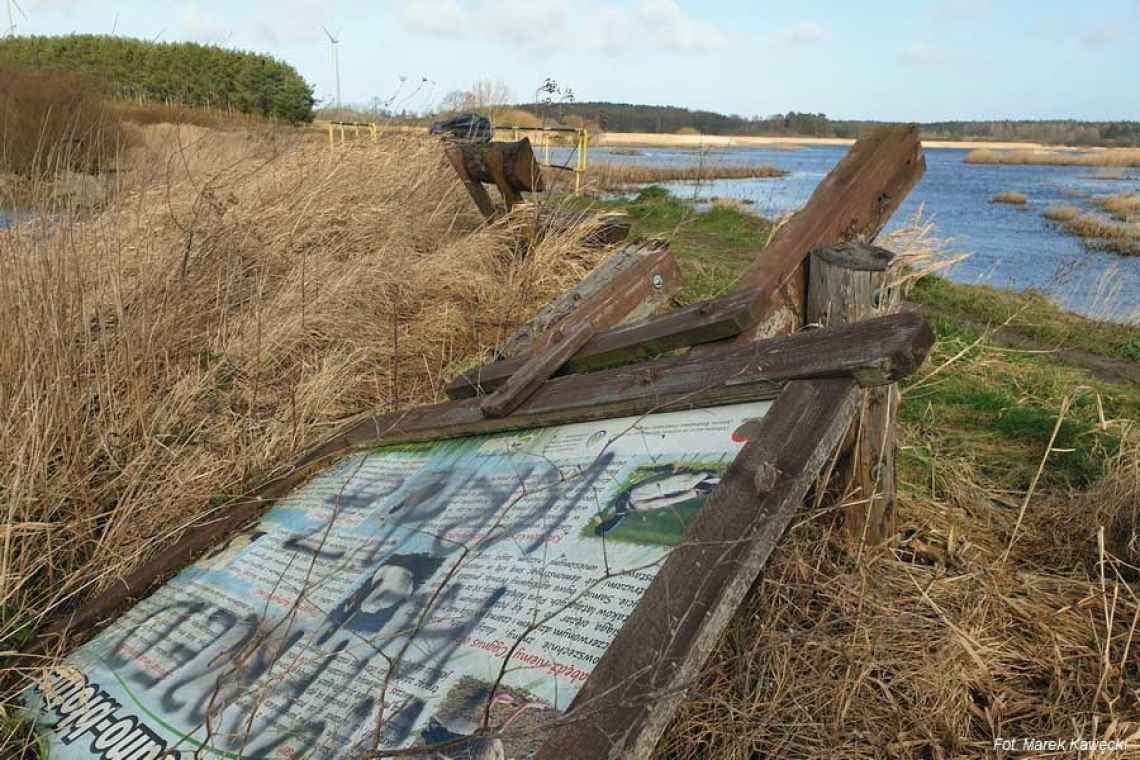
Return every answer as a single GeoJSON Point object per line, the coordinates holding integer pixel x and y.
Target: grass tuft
{"type": "Point", "coordinates": [1019, 199]}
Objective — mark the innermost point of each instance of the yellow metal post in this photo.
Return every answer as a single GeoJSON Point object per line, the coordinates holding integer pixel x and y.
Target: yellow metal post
{"type": "Point", "coordinates": [355, 130]}
{"type": "Point", "coordinates": [332, 142]}
{"type": "Point", "coordinates": [372, 129]}
{"type": "Point", "coordinates": [341, 133]}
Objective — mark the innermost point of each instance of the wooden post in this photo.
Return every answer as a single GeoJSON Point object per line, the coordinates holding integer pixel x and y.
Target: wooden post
{"type": "Point", "coordinates": [475, 188]}
{"type": "Point", "coordinates": [844, 286]}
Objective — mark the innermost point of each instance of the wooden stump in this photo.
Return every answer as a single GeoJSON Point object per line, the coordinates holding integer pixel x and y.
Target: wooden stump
{"type": "Point", "coordinates": [844, 285]}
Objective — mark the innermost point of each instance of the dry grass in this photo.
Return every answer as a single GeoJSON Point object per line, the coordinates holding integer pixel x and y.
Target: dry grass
{"type": "Point", "coordinates": [1120, 238]}
{"type": "Point", "coordinates": [240, 295]}
{"type": "Point", "coordinates": [1123, 206]}
{"type": "Point", "coordinates": [1061, 213]}
{"type": "Point", "coordinates": [990, 614]}
{"type": "Point", "coordinates": [614, 176]}
{"type": "Point", "coordinates": [1117, 157]}
{"type": "Point", "coordinates": [57, 120]}
{"type": "Point", "coordinates": [1018, 199]}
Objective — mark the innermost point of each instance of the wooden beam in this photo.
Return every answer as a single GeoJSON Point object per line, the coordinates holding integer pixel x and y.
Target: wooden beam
{"type": "Point", "coordinates": [538, 369]}
{"type": "Point", "coordinates": [692, 325]}
{"type": "Point", "coordinates": [873, 352]}
{"type": "Point", "coordinates": [519, 167]}
{"type": "Point", "coordinates": [475, 189]}
{"type": "Point", "coordinates": [634, 690]}
{"type": "Point", "coordinates": [632, 282]}
{"type": "Point", "coordinates": [854, 201]}
{"type": "Point", "coordinates": [844, 286]}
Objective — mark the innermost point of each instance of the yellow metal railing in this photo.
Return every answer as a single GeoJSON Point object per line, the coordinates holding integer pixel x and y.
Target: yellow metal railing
{"type": "Point", "coordinates": [581, 148]}
{"type": "Point", "coordinates": [355, 126]}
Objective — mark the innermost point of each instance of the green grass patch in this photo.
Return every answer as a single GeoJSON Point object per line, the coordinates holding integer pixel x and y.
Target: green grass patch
{"type": "Point", "coordinates": [1036, 317]}
{"type": "Point", "coordinates": [712, 247]}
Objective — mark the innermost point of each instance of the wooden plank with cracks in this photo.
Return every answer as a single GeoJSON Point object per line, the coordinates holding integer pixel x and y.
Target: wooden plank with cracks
{"type": "Point", "coordinates": [873, 352]}
{"type": "Point", "coordinates": [633, 692]}
{"type": "Point", "coordinates": [845, 285]}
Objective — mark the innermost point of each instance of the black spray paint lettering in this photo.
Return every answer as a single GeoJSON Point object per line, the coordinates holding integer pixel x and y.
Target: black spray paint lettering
{"type": "Point", "coordinates": [85, 708]}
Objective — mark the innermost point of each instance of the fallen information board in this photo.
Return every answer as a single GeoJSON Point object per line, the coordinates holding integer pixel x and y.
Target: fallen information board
{"type": "Point", "coordinates": [404, 597]}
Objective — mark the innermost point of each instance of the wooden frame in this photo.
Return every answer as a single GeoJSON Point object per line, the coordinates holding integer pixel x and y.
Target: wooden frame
{"type": "Point", "coordinates": [813, 377]}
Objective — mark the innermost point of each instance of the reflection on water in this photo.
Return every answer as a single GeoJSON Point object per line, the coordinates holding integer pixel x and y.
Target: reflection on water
{"type": "Point", "coordinates": [1013, 246]}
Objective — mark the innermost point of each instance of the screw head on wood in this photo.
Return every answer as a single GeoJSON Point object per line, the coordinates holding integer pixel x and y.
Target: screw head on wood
{"type": "Point", "coordinates": [767, 476]}
{"type": "Point", "coordinates": [658, 281]}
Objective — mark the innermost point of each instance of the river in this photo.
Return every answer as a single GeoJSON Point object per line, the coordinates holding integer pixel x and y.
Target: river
{"type": "Point", "coordinates": [1011, 247]}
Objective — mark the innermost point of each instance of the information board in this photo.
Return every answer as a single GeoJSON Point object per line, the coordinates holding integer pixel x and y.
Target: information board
{"type": "Point", "coordinates": [404, 597]}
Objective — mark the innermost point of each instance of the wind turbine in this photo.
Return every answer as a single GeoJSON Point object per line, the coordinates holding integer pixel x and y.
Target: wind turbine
{"type": "Point", "coordinates": [14, 6]}
{"type": "Point", "coordinates": [333, 42]}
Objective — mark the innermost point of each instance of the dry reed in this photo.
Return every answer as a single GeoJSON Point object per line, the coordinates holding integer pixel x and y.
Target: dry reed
{"type": "Point", "coordinates": [1119, 157]}
{"type": "Point", "coordinates": [238, 297]}
{"type": "Point", "coordinates": [1018, 199]}
{"type": "Point", "coordinates": [932, 646]}
{"type": "Point", "coordinates": [614, 176]}
{"type": "Point", "coordinates": [1123, 206]}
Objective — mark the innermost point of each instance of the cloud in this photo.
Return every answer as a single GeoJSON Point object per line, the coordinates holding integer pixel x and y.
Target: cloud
{"type": "Point", "coordinates": [667, 26]}
{"type": "Point", "coordinates": [806, 33]}
{"type": "Point", "coordinates": [1100, 36]}
{"type": "Point", "coordinates": [438, 18]}
{"type": "Point", "coordinates": [660, 24]}
{"type": "Point", "coordinates": [921, 54]}
{"type": "Point", "coordinates": [200, 26]}
{"type": "Point", "coordinates": [294, 21]}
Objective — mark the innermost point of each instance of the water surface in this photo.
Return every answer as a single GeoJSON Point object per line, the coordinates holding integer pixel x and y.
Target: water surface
{"type": "Point", "coordinates": [1012, 247]}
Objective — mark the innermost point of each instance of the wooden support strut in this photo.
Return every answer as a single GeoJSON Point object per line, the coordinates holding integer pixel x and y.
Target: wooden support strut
{"type": "Point", "coordinates": [872, 352]}
{"type": "Point", "coordinates": [847, 284]}
{"type": "Point", "coordinates": [510, 166]}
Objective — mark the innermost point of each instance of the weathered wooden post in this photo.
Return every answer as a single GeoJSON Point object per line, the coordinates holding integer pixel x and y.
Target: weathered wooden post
{"type": "Point", "coordinates": [848, 283]}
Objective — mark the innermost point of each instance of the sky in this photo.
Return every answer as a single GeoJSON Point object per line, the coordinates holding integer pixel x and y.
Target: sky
{"type": "Point", "coordinates": [886, 59]}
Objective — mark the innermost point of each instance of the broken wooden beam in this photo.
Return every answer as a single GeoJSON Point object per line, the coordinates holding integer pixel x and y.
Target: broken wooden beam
{"type": "Point", "coordinates": [539, 368]}
{"type": "Point", "coordinates": [693, 325]}
{"type": "Point", "coordinates": [874, 352]}
{"type": "Point", "coordinates": [853, 202]}
{"type": "Point", "coordinates": [634, 690]}
{"type": "Point", "coordinates": [646, 273]}
{"type": "Point", "coordinates": [514, 160]}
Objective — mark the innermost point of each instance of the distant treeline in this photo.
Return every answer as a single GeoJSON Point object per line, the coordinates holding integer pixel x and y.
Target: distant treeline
{"type": "Point", "coordinates": [184, 72]}
{"type": "Point", "coordinates": [625, 117]}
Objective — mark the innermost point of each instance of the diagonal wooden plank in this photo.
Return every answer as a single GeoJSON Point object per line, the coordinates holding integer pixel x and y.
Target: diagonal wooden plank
{"type": "Point", "coordinates": [523, 383]}
{"type": "Point", "coordinates": [632, 282]}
